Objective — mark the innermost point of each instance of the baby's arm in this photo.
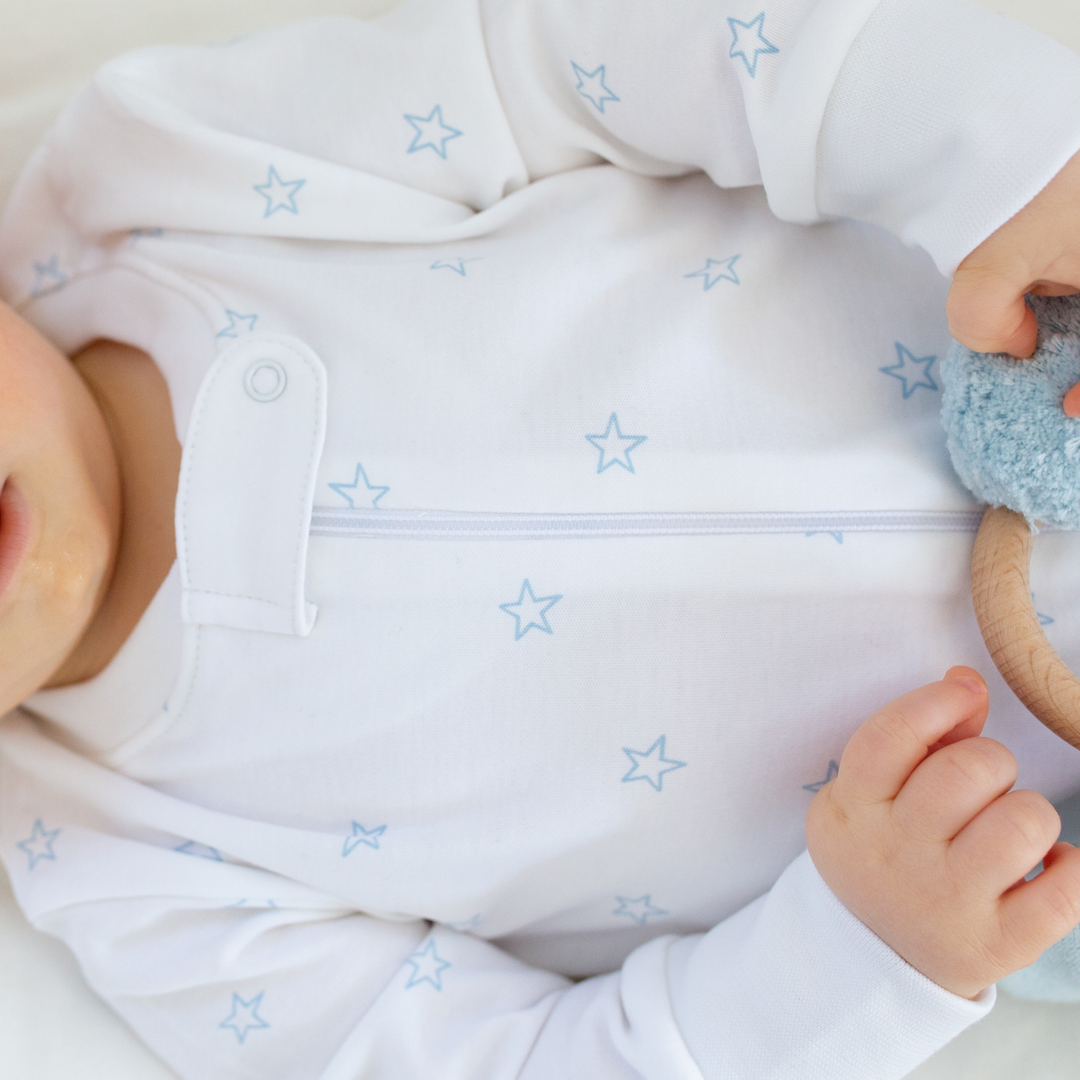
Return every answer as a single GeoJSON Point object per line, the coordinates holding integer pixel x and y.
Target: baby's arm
{"type": "Point", "coordinates": [922, 838]}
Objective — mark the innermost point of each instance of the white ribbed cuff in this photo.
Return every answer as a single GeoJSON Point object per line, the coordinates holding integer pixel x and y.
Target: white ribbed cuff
{"type": "Point", "coordinates": [795, 986]}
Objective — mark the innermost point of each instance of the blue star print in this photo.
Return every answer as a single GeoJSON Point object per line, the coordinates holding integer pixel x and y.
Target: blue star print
{"type": "Point", "coordinates": [640, 909]}
{"type": "Point", "coordinates": [911, 370]}
{"type": "Point", "coordinates": [431, 132]}
{"type": "Point", "coordinates": [238, 323]}
{"type": "Point", "coordinates": [360, 835]}
{"type": "Point", "coordinates": [834, 771]}
{"type": "Point", "coordinates": [1044, 620]}
{"type": "Point", "coordinates": [651, 765]}
{"type": "Point", "coordinates": [837, 536]}
{"type": "Point", "coordinates": [48, 277]}
{"type": "Point", "coordinates": [747, 46]}
{"type": "Point", "coordinates": [428, 966]}
{"type": "Point", "coordinates": [199, 851]}
{"type": "Point", "coordinates": [591, 85]}
{"type": "Point", "coordinates": [144, 234]}
{"type": "Point", "coordinates": [712, 276]}
{"type": "Point", "coordinates": [39, 844]}
{"type": "Point", "coordinates": [614, 443]}
{"type": "Point", "coordinates": [244, 1016]}
{"type": "Point", "coordinates": [363, 494]}
{"type": "Point", "coordinates": [458, 267]}
{"type": "Point", "coordinates": [530, 612]}
{"type": "Point", "coordinates": [279, 194]}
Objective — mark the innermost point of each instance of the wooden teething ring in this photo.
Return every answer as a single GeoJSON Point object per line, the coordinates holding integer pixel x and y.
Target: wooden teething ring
{"type": "Point", "coordinates": [1016, 641]}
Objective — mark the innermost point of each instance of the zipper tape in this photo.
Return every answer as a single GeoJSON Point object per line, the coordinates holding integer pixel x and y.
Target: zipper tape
{"type": "Point", "coordinates": [463, 525]}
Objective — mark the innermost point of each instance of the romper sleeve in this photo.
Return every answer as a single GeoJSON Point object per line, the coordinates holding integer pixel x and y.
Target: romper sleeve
{"type": "Point", "coordinates": [935, 119]}
{"type": "Point", "coordinates": [228, 969]}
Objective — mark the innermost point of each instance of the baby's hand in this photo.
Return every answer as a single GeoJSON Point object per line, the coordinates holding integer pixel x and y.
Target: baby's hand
{"type": "Point", "coordinates": [1037, 251]}
{"type": "Point", "coordinates": [918, 838]}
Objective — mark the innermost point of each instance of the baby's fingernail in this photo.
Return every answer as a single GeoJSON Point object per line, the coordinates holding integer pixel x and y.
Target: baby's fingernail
{"type": "Point", "coordinates": [974, 685]}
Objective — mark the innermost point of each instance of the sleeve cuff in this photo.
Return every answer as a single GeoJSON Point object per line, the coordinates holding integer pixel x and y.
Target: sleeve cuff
{"type": "Point", "coordinates": [795, 986]}
{"type": "Point", "coordinates": [945, 121]}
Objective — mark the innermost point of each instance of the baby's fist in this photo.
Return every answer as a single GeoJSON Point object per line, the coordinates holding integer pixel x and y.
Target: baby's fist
{"type": "Point", "coordinates": [920, 837]}
{"type": "Point", "coordinates": [1037, 251]}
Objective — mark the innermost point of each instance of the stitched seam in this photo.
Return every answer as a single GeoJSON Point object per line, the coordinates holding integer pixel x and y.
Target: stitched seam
{"type": "Point", "coordinates": [234, 596]}
{"type": "Point", "coordinates": [297, 582]}
{"type": "Point", "coordinates": [182, 709]}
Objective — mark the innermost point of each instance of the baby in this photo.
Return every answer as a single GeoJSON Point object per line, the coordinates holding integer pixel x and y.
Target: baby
{"type": "Point", "coordinates": [553, 511]}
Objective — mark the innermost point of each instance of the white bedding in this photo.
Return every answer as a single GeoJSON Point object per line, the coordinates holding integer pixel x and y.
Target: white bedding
{"type": "Point", "coordinates": [51, 1026]}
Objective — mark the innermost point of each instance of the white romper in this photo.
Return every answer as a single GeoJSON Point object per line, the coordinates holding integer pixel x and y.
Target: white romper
{"type": "Point", "coordinates": [562, 486]}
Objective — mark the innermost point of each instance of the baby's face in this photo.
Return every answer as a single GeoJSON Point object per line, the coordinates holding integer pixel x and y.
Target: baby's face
{"type": "Point", "coordinates": [59, 509]}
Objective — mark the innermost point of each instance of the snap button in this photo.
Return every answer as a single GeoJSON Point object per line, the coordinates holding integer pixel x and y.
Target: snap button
{"type": "Point", "coordinates": [265, 380]}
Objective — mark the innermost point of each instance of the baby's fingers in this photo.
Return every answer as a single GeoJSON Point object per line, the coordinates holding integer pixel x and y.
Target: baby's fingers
{"type": "Point", "coordinates": [1041, 911]}
{"type": "Point", "coordinates": [987, 312]}
{"type": "Point", "coordinates": [885, 751]}
{"type": "Point", "coordinates": [952, 786]}
{"type": "Point", "coordinates": [1004, 842]}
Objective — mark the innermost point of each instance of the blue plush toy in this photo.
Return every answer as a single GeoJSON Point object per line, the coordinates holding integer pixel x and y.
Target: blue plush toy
{"type": "Point", "coordinates": [1009, 439]}
{"type": "Point", "coordinates": [1015, 448]}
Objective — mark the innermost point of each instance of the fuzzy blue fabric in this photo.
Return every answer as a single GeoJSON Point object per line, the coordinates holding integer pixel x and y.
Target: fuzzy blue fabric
{"type": "Point", "coordinates": [1055, 976]}
{"type": "Point", "coordinates": [1009, 439]}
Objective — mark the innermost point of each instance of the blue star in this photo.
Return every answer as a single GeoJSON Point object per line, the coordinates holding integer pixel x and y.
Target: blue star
{"type": "Point", "coordinates": [837, 536]}
{"type": "Point", "coordinates": [758, 45]}
{"type": "Point", "coordinates": [833, 772]}
{"type": "Point", "coordinates": [615, 445]}
{"type": "Point", "coordinates": [1044, 620]}
{"type": "Point", "coordinates": [646, 766]}
{"type": "Point", "coordinates": [590, 82]}
{"type": "Point", "coordinates": [199, 851]}
{"type": "Point", "coordinates": [145, 234]}
{"type": "Point", "coordinates": [360, 835]}
{"type": "Point", "coordinates": [279, 194]}
{"type": "Point", "coordinates": [533, 611]}
{"type": "Point", "coordinates": [362, 494]}
{"type": "Point", "coordinates": [640, 909]}
{"type": "Point", "coordinates": [48, 277]}
{"type": "Point", "coordinates": [458, 269]}
{"type": "Point", "coordinates": [38, 845]}
{"type": "Point", "coordinates": [712, 277]}
{"type": "Point", "coordinates": [907, 368]}
{"type": "Point", "coordinates": [234, 328]}
{"type": "Point", "coordinates": [244, 1016]}
{"type": "Point", "coordinates": [430, 132]}
{"type": "Point", "coordinates": [428, 966]}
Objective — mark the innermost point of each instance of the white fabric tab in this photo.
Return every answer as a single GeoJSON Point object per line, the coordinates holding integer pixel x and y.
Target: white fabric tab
{"type": "Point", "coordinates": [247, 483]}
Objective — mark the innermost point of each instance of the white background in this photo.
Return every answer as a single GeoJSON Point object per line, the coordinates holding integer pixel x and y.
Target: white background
{"type": "Point", "coordinates": [51, 1025]}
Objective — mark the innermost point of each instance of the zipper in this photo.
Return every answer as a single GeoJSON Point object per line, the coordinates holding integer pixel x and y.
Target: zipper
{"type": "Point", "coordinates": [467, 525]}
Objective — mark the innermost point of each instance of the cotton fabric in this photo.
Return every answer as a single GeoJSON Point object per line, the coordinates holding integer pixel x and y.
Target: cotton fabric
{"type": "Point", "coordinates": [495, 808]}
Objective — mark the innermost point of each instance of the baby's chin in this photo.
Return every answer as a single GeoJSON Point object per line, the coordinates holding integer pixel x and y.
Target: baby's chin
{"type": "Point", "coordinates": [59, 517]}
